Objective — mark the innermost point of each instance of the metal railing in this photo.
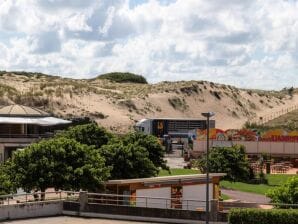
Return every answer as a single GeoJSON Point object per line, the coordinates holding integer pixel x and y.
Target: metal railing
{"type": "Point", "coordinates": [38, 197]}
{"type": "Point", "coordinates": [146, 202]}
{"type": "Point", "coordinates": [223, 205]}
{"type": "Point", "coordinates": [46, 135]}
{"type": "Point", "coordinates": [134, 201]}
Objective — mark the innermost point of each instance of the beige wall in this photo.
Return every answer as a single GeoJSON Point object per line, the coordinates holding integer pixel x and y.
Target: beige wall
{"type": "Point", "coordinates": [273, 148]}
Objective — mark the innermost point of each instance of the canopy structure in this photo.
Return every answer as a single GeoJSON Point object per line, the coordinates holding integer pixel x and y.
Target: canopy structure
{"type": "Point", "coordinates": [18, 114]}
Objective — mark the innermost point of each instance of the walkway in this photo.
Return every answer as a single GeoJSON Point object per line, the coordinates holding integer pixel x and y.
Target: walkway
{"type": "Point", "coordinates": [245, 196]}
{"type": "Point", "coordinates": [76, 220]}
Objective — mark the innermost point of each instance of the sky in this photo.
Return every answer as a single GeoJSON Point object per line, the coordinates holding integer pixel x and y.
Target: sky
{"type": "Point", "coordinates": [246, 43]}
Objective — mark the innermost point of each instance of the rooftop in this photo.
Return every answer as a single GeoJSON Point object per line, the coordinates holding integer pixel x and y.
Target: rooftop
{"type": "Point", "coordinates": [21, 111]}
{"type": "Point", "coordinates": [166, 179]}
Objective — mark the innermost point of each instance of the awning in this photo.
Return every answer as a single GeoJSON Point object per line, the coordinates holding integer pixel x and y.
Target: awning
{"type": "Point", "coordinates": [42, 121]}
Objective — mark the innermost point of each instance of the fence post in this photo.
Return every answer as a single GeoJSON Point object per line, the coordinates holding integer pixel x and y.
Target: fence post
{"type": "Point", "coordinates": [83, 199]}
{"type": "Point", "coordinates": [146, 202]}
{"type": "Point", "coordinates": [26, 197]}
{"type": "Point", "coordinates": [214, 209]}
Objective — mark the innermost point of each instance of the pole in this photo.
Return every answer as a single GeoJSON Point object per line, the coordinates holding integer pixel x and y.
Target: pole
{"type": "Point", "coordinates": [207, 174]}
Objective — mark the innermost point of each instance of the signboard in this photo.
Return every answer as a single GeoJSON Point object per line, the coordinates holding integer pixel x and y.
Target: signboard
{"type": "Point", "coordinates": [275, 135]}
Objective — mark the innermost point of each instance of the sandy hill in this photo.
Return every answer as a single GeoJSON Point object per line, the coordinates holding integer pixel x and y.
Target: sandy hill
{"type": "Point", "coordinates": [118, 106]}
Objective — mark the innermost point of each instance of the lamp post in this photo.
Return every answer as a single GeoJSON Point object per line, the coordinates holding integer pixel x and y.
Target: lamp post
{"type": "Point", "coordinates": [207, 115]}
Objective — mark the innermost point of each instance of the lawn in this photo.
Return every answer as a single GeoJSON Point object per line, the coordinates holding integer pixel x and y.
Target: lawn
{"type": "Point", "coordinates": [177, 171]}
{"type": "Point", "coordinates": [273, 181]}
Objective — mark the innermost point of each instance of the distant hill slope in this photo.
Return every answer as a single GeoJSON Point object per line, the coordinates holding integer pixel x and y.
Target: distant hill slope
{"type": "Point", "coordinates": [287, 121]}
{"type": "Point", "coordinates": [118, 106]}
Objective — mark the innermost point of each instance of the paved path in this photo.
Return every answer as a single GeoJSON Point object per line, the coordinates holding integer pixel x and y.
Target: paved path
{"type": "Point", "coordinates": [245, 196]}
{"type": "Point", "coordinates": [76, 220]}
{"type": "Point", "coordinates": [70, 220]}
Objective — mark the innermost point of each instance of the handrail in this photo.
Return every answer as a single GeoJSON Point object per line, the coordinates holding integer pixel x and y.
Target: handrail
{"type": "Point", "coordinates": [47, 135]}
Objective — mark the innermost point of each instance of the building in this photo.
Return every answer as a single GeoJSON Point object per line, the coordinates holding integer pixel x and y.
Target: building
{"type": "Point", "coordinates": [180, 192]}
{"type": "Point", "coordinates": [21, 125]}
{"type": "Point", "coordinates": [174, 127]}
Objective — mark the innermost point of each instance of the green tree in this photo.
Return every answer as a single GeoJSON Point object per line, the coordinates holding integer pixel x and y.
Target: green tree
{"type": "Point", "coordinates": [60, 163]}
{"type": "Point", "coordinates": [286, 193]}
{"type": "Point", "coordinates": [6, 185]}
{"type": "Point", "coordinates": [88, 134]}
{"type": "Point", "coordinates": [151, 144]}
{"type": "Point", "coordinates": [229, 160]}
{"type": "Point", "coordinates": [128, 161]}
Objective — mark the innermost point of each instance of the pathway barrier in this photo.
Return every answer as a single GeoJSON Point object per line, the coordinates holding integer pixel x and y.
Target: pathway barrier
{"type": "Point", "coordinates": [126, 207]}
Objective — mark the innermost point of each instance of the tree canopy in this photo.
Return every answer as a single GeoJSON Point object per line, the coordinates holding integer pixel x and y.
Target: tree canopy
{"type": "Point", "coordinates": [82, 157]}
{"type": "Point", "coordinates": [6, 185]}
{"type": "Point", "coordinates": [88, 134]}
{"type": "Point", "coordinates": [286, 193]}
{"type": "Point", "coordinates": [60, 163]}
{"type": "Point", "coordinates": [128, 160]}
{"type": "Point", "coordinates": [229, 160]}
{"type": "Point", "coordinates": [155, 151]}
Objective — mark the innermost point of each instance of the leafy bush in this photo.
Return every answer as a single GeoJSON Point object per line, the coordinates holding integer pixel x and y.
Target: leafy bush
{"type": "Point", "coordinates": [286, 193]}
{"type": "Point", "coordinates": [123, 77]}
{"type": "Point", "coordinates": [6, 185]}
{"type": "Point", "coordinates": [60, 163]}
{"type": "Point", "coordinates": [262, 216]}
{"type": "Point", "coordinates": [88, 134]}
{"type": "Point", "coordinates": [128, 160]}
{"type": "Point", "coordinates": [151, 144]}
{"type": "Point", "coordinates": [229, 160]}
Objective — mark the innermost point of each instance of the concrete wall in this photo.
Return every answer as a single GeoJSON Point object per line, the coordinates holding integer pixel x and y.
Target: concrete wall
{"type": "Point", "coordinates": [138, 213]}
{"type": "Point", "coordinates": [198, 193]}
{"type": "Point", "coordinates": [30, 210]}
{"type": "Point", "coordinates": [162, 192]}
{"type": "Point", "coordinates": [273, 148]}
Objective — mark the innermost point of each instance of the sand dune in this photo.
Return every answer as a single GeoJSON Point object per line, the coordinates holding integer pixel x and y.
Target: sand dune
{"type": "Point", "coordinates": [118, 106]}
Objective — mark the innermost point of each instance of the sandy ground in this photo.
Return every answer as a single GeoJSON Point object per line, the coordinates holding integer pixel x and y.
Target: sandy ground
{"type": "Point", "coordinates": [232, 106]}
{"type": "Point", "coordinates": [75, 220]}
{"type": "Point", "coordinates": [70, 220]}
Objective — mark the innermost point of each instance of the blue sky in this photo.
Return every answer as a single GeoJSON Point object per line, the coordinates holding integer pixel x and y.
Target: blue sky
{"type": "Point", "coordinates": [247, 43]}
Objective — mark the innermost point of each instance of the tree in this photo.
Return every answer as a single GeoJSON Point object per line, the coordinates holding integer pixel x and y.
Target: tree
{"type": "Point", "coordinates": [286, 193]}
{"type": "Point", "coordinates": [229, 160]}
{"type": "Point", "coordinates": [60, 163]}
{"type": "Point", "coordinates": [88, 134]}
{"type": "Point", "coordinates": [151, 144]}
{"type": "Point", "coordinates": [128, 160]}
{"type": "Point", "coordinates": [6, 186]}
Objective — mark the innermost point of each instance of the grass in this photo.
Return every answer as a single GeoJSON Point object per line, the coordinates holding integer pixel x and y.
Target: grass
{"type": "Point", "coordinates": [177, 171]}
{"type": "Point", "coordinates": [225, 197]}
{"type": "Point", "coordinates": [273, 181]}
{"type": "Point", "coordinates": [287, 121]}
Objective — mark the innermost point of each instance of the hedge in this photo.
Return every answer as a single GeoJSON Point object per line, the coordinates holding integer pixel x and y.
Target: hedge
{"type": "Point", "coordinates": [123, 77]}
{"type": "Point", "coordinates": [262, 216]}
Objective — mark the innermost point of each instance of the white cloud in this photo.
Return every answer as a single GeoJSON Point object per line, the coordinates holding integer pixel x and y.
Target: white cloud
{"type": "Point", "coordinates": [249, 43]}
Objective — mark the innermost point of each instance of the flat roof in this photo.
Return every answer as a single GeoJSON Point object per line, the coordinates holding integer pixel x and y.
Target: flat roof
{"type": "Point", "coordinates": [164, 179]}
{"type": "Point", "coordinates": [179, 118]}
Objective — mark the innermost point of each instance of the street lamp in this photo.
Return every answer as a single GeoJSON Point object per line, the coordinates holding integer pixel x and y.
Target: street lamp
{"type": "Point", "coordinates": [207, 115]}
